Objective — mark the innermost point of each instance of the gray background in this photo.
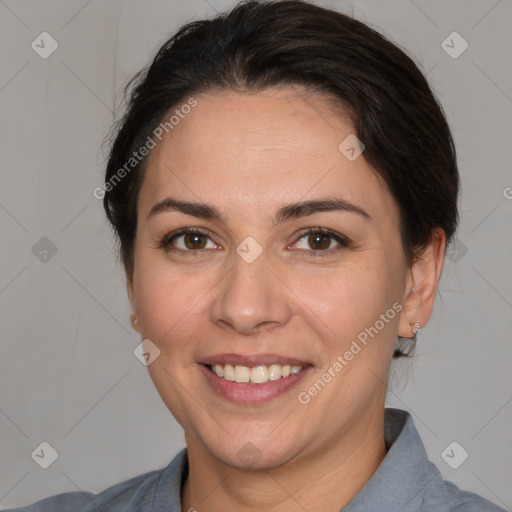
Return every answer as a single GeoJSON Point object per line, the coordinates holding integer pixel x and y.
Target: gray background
{"type": "Point", "coordinates": [68, 374]}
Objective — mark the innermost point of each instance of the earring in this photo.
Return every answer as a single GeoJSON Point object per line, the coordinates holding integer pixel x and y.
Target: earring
{"type": "Point", "coordinates": [416, 329]}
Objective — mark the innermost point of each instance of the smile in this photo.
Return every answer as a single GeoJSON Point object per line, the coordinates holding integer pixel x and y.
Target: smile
{"type": "Point", "coordinates": [256, 375]}
{"type": "Point", "coordinates": [253, 378]}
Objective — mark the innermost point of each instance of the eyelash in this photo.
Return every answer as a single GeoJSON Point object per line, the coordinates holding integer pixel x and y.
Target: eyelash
{"type": "Point", "coordinates": [166, 241]}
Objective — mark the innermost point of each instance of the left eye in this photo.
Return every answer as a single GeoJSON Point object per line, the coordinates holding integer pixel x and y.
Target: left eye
{"type": "Point", "coordinates": [319, 241]}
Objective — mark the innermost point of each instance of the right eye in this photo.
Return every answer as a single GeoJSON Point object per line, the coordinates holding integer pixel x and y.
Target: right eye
{"type": "Point", "coordinates": [188, 240]}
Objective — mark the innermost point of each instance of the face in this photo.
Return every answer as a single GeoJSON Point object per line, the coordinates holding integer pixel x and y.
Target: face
{"type": "Point", "coordinates": [261, 246]}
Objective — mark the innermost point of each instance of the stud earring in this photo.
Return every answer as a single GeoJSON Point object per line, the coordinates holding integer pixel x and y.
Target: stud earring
{"type": "Point", "coordinates": [416, 329]}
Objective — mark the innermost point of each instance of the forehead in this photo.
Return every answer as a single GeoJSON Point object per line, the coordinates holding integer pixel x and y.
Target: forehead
{"type": "Point", "coordinates": [271, 147]}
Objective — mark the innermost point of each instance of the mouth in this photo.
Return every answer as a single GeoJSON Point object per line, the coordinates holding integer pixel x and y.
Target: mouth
{"type": "Point", "coordinates": [260, 374]}
{"type": "Point", "coordinates": [253, 379]}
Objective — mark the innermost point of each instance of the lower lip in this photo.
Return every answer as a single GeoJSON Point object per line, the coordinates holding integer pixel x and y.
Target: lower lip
{"type": "Point", "coordinates": [248, 393]}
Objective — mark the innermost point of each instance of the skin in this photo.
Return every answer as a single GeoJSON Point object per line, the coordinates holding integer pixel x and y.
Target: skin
{"type": "Point", "coordinates": [248, 155]}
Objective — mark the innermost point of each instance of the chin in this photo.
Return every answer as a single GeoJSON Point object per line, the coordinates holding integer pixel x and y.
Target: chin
{"type": "Point", "coordinates": [252, 455]}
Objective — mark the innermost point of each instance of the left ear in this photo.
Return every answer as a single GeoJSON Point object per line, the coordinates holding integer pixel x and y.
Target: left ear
{"type": "Point", "coordinates": [421, 287]}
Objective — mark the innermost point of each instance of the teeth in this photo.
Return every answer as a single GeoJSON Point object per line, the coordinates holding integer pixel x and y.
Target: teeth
{"type": "Point", "coordinates": [274, 372]}
{"type": "Point", "coordinates": [242, 374]}
{"type": "Point", "coordinates": [257, 374]}
{"type": "Point", "coordinates": [229, 372]}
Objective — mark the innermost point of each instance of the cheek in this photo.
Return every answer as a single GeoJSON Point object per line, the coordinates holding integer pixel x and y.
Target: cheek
{"type": "Point", "coordinates": [343, 302]}
{"type": "Point", "coordinates": [168, 303]}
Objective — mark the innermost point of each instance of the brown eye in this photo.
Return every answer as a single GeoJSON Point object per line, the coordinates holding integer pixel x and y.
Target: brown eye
{"type": "Point", "coordinates": [319, 241]}
{"type": "Point", "coordinates": [194, 241]}
{"type": "Point", "coordinates": [187, 240]}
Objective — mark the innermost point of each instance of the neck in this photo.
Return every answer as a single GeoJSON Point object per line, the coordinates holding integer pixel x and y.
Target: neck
{"type": "Point", "coordinates": [326, 479]}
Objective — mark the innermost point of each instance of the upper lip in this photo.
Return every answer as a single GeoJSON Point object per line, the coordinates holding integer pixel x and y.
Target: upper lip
{"type": "Point", "coordinates": [252, 360]}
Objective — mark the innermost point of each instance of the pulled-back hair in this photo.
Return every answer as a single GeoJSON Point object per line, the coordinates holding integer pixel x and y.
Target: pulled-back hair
{"type": "Point", "coordinates": [259, 45]}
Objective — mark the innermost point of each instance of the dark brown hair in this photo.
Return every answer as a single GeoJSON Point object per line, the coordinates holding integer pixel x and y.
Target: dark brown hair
{"type": "Point", "coordinates": [265, 44]}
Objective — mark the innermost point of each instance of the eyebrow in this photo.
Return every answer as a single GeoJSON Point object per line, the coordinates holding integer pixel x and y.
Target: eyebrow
{"type": "Point", "coordinates": [293, 210]}
{"type": "Point", "coordinates": [304, 208]}
{"type": "Point", "coordinates": [201, 210]}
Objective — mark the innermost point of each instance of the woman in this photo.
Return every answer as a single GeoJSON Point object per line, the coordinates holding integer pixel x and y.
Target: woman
{"type": "Point", "coordinates": [283, 186]}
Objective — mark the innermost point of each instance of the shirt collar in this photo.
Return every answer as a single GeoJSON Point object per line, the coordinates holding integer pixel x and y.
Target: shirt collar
{"type": "Point", "coordinates": [400, 480]}
{"type": "Point", "coordinates": [398, 483]}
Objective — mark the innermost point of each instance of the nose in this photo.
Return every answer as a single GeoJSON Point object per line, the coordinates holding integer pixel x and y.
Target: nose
{"type": "Point", "coordinates": [251, 298]}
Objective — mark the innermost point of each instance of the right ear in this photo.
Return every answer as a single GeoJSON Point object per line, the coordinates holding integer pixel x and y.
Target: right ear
{"type": "Point", "coordinates": [133, 312]}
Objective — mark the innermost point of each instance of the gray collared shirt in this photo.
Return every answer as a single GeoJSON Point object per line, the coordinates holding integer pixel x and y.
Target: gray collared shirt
{"type": "Point", "coordinates": [405, 482]}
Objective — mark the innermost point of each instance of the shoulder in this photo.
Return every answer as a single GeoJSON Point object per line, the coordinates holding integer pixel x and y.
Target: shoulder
{"type": "Point", "coordinates": [144, 493]}
{"type": "Point", "coordinates": [417, 483]}
{"type": "Point", "coordinates": [444, 496]}
{"type": "Point", "coordinates": [128, 495]}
